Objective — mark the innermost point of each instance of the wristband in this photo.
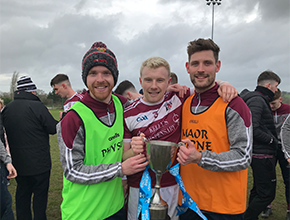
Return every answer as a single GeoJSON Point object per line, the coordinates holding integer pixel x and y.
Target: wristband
{"type": "Point", "coordinates": [128, 154]}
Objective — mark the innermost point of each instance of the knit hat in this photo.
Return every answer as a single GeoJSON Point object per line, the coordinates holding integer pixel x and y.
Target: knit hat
{"type": "Point", "coordinates": [99, 55]}
{"type": "Point", "coordinates": [25, 84]}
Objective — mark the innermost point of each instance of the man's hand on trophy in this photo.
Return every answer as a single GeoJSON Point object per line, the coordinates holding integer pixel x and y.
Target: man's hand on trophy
{"type": "Point", "coordinates": [134, 164]}
{"type": "Point", "coordinates": [137, 144]}
{"type": "Point", "coordinates": [188, 154]}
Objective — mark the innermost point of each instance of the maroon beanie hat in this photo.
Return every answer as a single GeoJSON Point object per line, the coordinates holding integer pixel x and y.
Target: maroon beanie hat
{"type": "Point", "coordinates": [99, 55]}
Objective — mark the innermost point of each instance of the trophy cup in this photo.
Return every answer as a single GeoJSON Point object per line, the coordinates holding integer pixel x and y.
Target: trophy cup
{"type": "Point", "coordinates": [160, 158]}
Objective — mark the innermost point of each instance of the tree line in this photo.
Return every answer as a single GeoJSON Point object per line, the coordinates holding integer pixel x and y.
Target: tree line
{"type": "Point", "coordinates": [55, 101]}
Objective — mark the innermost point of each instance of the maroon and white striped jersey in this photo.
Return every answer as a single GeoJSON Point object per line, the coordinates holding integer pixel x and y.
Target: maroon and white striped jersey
{"type": "Point", "coordinates": [72, 100]}
{"type": "Point", "coordinates": [158, 121]}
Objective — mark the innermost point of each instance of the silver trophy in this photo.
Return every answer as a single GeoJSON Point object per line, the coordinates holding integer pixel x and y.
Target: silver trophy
{"type": "Point", "coordinates": [160, 154]}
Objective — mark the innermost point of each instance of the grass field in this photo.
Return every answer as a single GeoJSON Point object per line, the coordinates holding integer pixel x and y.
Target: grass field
{"type": "Point", "coordinates": [54, 198]}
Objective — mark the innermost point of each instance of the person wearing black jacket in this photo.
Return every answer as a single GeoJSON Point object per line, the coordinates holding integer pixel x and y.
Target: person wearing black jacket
{"type": "Point", "coordinates": [28, 124]}
{"type": "Point", "coordinates": [265, 143]}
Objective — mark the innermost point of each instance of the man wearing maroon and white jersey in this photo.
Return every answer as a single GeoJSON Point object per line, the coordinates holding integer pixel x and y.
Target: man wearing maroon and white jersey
{"type": "Point", "coordinates": [72, 100]}
{"type": "Point", "coordinates": [62, 87]}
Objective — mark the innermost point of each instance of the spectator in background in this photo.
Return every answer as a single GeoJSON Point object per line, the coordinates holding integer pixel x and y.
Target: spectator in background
{"type": "Point", "coordinates": [28, 125]}
{"type": "Point", "coordinates": [128, 90]}
{"type": "Point", "coordinates": [264, 145]}
{"type": "Point", "coordinates": [62, 87]}
{"type": "Point", "coordinates": [4, 137]}
{"type": "Point", "coordinates": [174, 78]}
{"type": "Point", "coordinates": [280, 112]}
{"type": "Point", "coordinates": [7, 171]}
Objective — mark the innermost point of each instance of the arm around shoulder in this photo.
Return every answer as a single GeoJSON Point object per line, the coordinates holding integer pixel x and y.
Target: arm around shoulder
{"type": "Point", "coordinates": [226, 91]}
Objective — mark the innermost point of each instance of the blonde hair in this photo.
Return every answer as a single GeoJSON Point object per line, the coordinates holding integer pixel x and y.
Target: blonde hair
{"type": "Point", "coordinates": [2, 103]}
{"type": "Point", "coordinates": [154, 63]}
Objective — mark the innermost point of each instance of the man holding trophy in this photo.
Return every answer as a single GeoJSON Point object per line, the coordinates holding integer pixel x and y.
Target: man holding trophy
{"type": "Point", "coordinates": [219, 141]}
{"type": "Point", "coordinates": [157, 116]}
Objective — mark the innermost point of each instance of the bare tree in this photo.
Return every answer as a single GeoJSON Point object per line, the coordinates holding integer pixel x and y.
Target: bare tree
{"type": "Point", "coordinates": [13, 85]}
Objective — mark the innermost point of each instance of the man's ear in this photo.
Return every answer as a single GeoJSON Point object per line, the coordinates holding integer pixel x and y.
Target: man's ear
{"type": "Point", "coordinates": [218, 66]}
{"type": "Point", "coordinates": [268, 85]}
{"type": "Point", "coordinates": [129, 95]}
{"type": "Point", "coordinates": [280, 99]}
{"type": "Point", "coordinates": [187, 67]}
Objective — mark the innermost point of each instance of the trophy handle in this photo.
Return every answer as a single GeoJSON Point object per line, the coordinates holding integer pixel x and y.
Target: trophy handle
{"type": "Point", "coordinates": [175, 152]}
{"type": "Point", "coordinates": [180, 144]}
{"type": "Point", "coordinates": [145, 139]}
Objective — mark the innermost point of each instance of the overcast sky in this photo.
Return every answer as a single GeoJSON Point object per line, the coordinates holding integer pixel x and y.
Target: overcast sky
{"type": "Point", "coordinates": [41, 38]}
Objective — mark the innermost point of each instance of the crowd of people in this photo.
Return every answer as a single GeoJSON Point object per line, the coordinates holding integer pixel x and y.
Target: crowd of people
{"type": "Point", "coordinates": [101, 135]}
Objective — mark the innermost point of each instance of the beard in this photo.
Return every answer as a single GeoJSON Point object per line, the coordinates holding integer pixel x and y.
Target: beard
{"type": "Point", "coordinates": [201, 86]}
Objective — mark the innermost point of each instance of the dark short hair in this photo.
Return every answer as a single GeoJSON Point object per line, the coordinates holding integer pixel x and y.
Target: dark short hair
{"type": "Point", "coordinates": [266, 76]}
{"type": "Point", "coordinates": [201, 45]}
{"type": "Point", "coordinates": [58, 79]}
{"type": "Point", "coordinates": [123, 86]}
{"type": "Point", "coordinates": [174, 78]}
{"type": "Point", "coordinates": [277, 94]}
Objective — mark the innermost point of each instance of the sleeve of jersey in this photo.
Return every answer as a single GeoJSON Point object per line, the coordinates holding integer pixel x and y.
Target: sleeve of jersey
{"type": "Point", "coordinates": [70, 136]}
{"type": "Point", "coordinates": [240, 134]}
{"type": "Point", "coordinates": [285, 137]}
{"type": "Point", "coordinates": [4, 157]}
{"type": "Point", "coordinates": [127, 134]}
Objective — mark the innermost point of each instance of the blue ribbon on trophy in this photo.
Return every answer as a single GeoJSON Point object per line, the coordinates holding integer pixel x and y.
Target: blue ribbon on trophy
{"type": "Point", "coordinates": [144, 195]}
{"type": "Point", "coordinates": [187, 201]}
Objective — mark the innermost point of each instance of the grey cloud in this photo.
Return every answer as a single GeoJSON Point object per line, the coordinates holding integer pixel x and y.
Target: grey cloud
{"type": "Point", "coordinates": [80, 5]}
{"type": "Point", "coordinates": [59, 45]}
{"type": "Point", "coordinates": [29, 48]}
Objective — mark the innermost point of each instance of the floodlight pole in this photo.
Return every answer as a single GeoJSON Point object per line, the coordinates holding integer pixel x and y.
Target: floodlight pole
{"type": "Point", "coordinates": [212, 21]}
{"type": "Point", "coordinates": [213, 3]}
